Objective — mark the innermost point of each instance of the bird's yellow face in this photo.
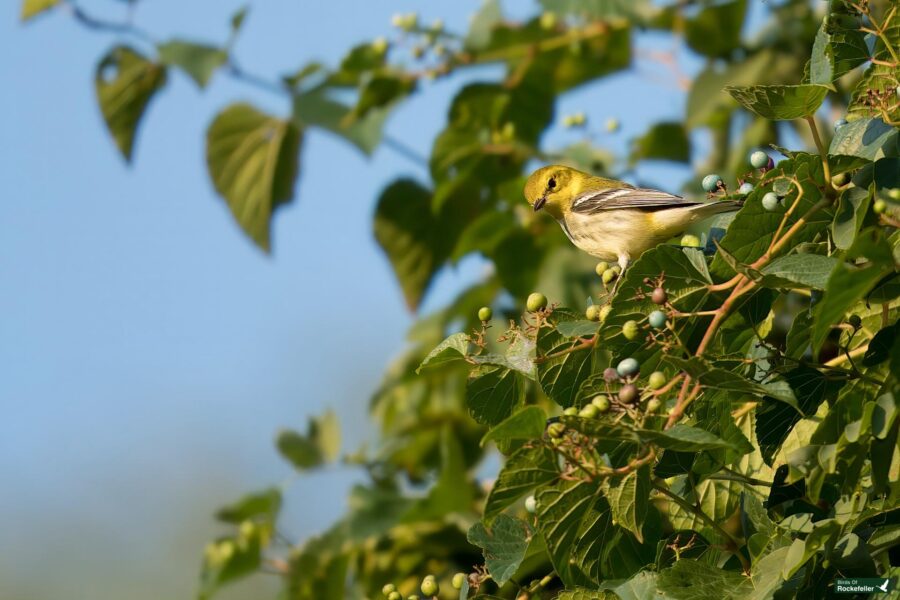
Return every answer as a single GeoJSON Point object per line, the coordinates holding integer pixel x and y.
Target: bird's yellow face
{"type": "Point", "coordinates": [551, 189]}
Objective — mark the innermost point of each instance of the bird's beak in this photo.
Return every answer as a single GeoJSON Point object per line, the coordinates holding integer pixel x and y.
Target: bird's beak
{"type": "Point", "coordinates": [539, 203]}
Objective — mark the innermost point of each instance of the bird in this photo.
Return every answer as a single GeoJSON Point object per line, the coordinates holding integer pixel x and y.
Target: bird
{"type": "Point", "coordinates": [611, 219]}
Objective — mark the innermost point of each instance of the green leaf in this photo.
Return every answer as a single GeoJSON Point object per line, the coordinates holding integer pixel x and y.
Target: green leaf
{"type": "Point", "coordinates": [799, 270]}
{"type": "Point", "coordinates": [316, 108]}
{"type": "Point", "coordinates": [238, 18]}
{"type": "Point", "coordinates": [230, 558]}
{"type": "Point", "coordinates": [252, 158]}
{"type": "Point", "coordinates": [265, 504]}
{"type": "Point", "coordinates": [601, 429]}
{"type": "Point", "coordinates": [780, 102]}
{"type": "Point", "coordinates": [848, 283]}
{"type": "Point", "coordinates": [853, 204]}
{"type": "Point", "coordinates": [30, 8]}
{"type": "Point", "coordinates": [836, 53]}
{"type": "Point", "coordinates": [866, 138]}
{"type": "Point", "coordinates": [526, 424]}
{"type": "Point", "coordinates": [585, 594]}
{"type": "Point", "coordinates": [684, 438]}
{"type": "Point", "coordinates": [629, 501]}
{"type": "Point", "coordinates": [452, 349]}
{"type": "Point", "coordinates": [526, 468]}
{"type": "Point", "coordinates": [598, 9]}
{"type": "Point", "coordinates": [716, 30]}
{"type": "Point", "coordinates": [492, 394]}
{"type": "Point", "coordinates": [321, 443]}
{"type": "Point", "coordinates": [694, 580]}
{"type": "Point", "coordinates": [407, 231]}
{"type": "Point", "coordinates": [125, 82]}
{"type": "Point", "coordinates": [706, 100]}
{"type": "Point", "coordinates": [562, 376]}
{"type": "Point", "coordinates": [504, 545]}
{"type": "Point", "coordinates": [663, 141]}
{"type": "Point", "coordinates": [199, 61]}
{"type": "Point", "coordinates": [483, 23]}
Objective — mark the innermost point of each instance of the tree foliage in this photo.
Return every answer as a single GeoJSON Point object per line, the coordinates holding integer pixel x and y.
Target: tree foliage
{"type": "Point", "coordinates": [766, 464]}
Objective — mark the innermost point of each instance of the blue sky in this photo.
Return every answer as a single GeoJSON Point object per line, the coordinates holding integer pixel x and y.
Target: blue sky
{"type": "Point", "coordinates": [149, 351]}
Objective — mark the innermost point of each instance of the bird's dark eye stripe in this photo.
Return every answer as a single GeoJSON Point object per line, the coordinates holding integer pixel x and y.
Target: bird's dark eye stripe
{"type": "Point", "coordinates": [551, 184]}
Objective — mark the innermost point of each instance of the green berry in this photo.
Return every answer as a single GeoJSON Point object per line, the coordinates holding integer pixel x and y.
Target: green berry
{"type": "Point", "coordinates": [771, 202]}
{"type": "Point", "coordinates": [839, 180]}
{"type": "Point", "coordinates": [630, 330]}
{"type": "Point", "coordinates": [458, 580]}
{"type": "Point", "coordinates": [894, 193]}
{"type": "Point", "coordinates": [601, 403]}
{"type": "Point", "coordinates": [485, 313]}
{"type": "Point", "coordinates": [745, 188]}
{"type": "Point", "coordinates": [759, 159]}
{"type": "Point", "coordinates": [855, 321]}
{"type": "Point", "coordinates": [653, 405]}
{"type": "Point", "coordinates": [711, 182]}
{"type": "Point", "coordinates": [394, 596]}
{"type": "Point", "coordinates": [612, 125]}
{"type": "Point", "coordinates": [556, 430]}
{"type": "Point", "coordinates": [657, 319]}
{"type": "Point", "coordinates": [839, 123]}
{"type": "Point", "coordinates": [531, 504]}
{"type": "Point", "coordinates": [610, 374]}
{"type": "Point", "coordinates": [690, 241]}
{"type": "Point", "coordinates": [610, 274]}
{"type": "Point", "coordinates": [657, 380]}
{"type": "Point", "coordinates": [413, 597]}
{"type": "Point", "coordinates": [571, 411]}
{"type": "Point", "coordinates": [429, 586]}
{"type": "Point", "coordinates": [588, 411]}
{"type": "Point", "coordinates": [604, 311]}
{"type": "Point", "coordinates": [592, 313]}
{"type": "Point", "coordinates": [536, 301]}
{"type": "Point", "coordinates": [380, 45]}
{"type": "Point", "coordinates": [388, 589]}
{"type": "Point", "coordinates": [628, 367]}
{"type": "Point", "coordinates": [879, 207]}
{"type": "Point", "coordinates": [628, 393]}
{"type": "Point", "coordinates": [659, 296]}
{"type": "Point", "coordinates": [601, 268]}
{"type": "Point", "coordinates": [548, 20]}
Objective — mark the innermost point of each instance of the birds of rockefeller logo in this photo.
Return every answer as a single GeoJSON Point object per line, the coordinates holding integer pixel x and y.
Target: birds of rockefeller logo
{"type": "Point", "coordinates": [871, 585]}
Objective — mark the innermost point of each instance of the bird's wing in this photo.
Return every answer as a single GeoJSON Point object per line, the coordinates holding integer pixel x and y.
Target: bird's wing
{"type": "Point", "coordinates": [638, 198]}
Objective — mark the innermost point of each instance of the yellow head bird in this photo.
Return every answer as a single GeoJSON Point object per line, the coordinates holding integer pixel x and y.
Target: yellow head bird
{"type": "Point", "coordinates": [611, 219]}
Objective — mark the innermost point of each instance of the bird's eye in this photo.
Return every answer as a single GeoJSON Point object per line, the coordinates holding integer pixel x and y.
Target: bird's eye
{"type": "Point", "coordinates": [551, 184]}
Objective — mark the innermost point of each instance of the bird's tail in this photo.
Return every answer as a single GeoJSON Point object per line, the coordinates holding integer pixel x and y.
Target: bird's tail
{"type": "Point", "coordinates": [713, 208]}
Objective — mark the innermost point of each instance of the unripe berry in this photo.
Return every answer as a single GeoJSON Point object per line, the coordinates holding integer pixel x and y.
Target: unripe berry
{"type": "Point", "coordinates": [630, 330]}
{"type": "Point", "coordinates": [458, 580]}
{"type": "Point", "coordinates": [628, 367]}
{"type": "Point", "coordinates": [548, 20]}
{"type": "Point", "coordinates": [879, 206]}
{"type": "Point", "coordinates": [690, 241]}
{"type": "Point", "coordinates": [855, 321]}
{"type": "Point", "coordinates": [601, 268]}
{"type": "Point", "coordinates": [659, 296]}
{"type": "Point", "coordinates": [536, 301]}
{"type": "Point", "coordinates": [612, 125]}
{"type": "Point", "coordinates": [604, 311]}
{"type": "Point", "coordinates": [745, 189]}
{"type": "Point", "coordinates": [610, 274]}
{"type": "Point", "coordinates": [894, 193]}
{"type": "Point", "coordinates": [394, 596]}
{"type": "Point", "coordinates": [556, 430]}
{"type": "Point", "coordinates": [610, 374]}
{"type": "Point", "coordinates": [839, 123]}
{"type": "Point", "coordinates": [601, 403]}
{"type": "Point", "coordinates": [657, 319]}
{"type": "Point", "coordinates": [653, 405]}
{"type": "Point", "coordinates": [380, 45]}
{"type": "Point", "coordinates": [485, 313]}
{"type": "Point", "coordinates": [771, 202]}
{"type": "Point", "coordinates": [657, 380]}
{"type": "Point", "coordinates": [628, 393]}
{"type": "Point", "coordinates": [429, 586]}
{"type": "Point", "coordinates": [588, 411]}
{"type": "Point", "coordinates": [413, 597]}
{"type": "Point", "coordinates": [571, 411]}
{"type": "Point", "coordinates": [531, 504]}
{"type": "Point", "coordinates": [759, 159]}
{"type": "Point", "coordinates": [388, 589]}
{"type": "Point", "coordinates": [592, 313]}
{"type": "Point", "coordinates": [839, 180]}
{"type": "Point", "coordinates": [711, 182]}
